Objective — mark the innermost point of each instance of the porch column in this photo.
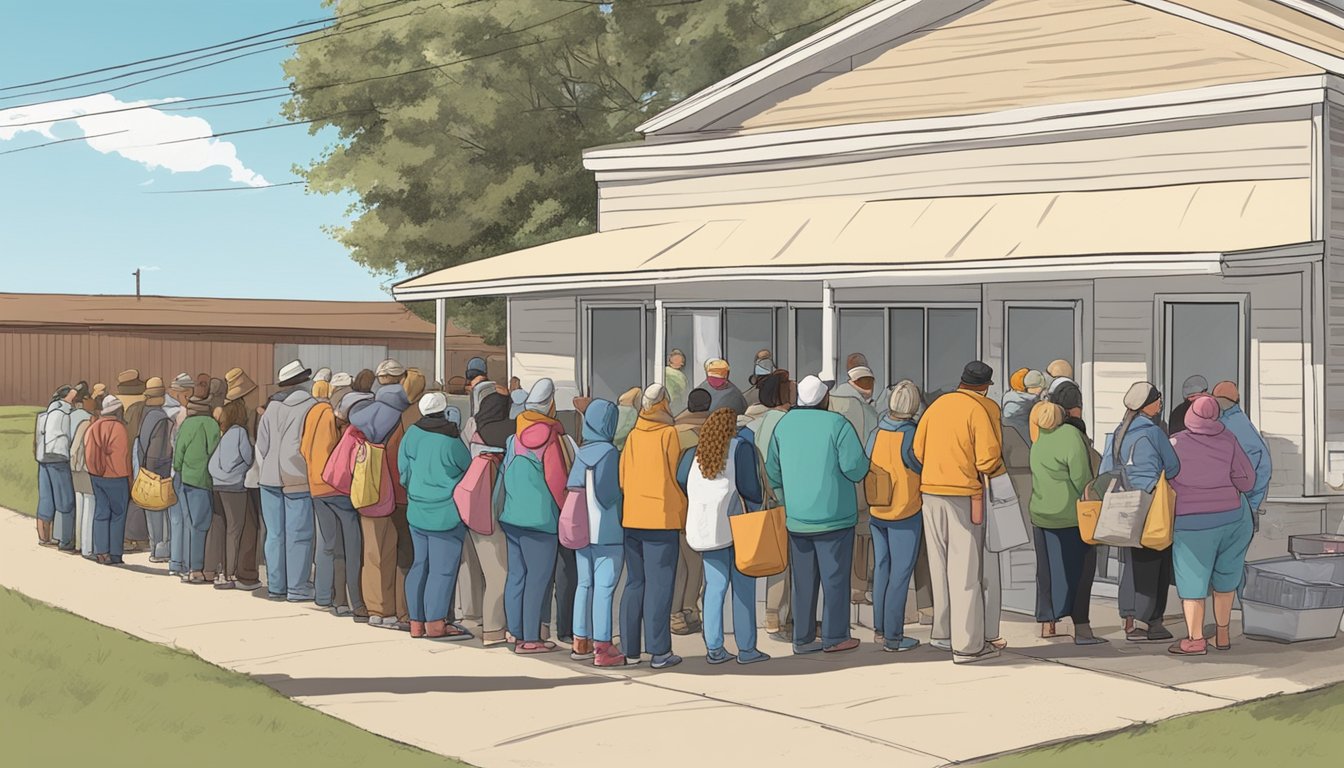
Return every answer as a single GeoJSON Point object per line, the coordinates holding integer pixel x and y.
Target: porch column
{"type": "Point", "coordinates": [440, 341]}
{"type": "Point", "coordinates": [659, 342]}
{"type": "Point", "coordinates": [827, 332]}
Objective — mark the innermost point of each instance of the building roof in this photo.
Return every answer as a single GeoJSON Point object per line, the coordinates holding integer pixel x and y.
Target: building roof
{"type": "Point", "coordinates": [372, 319]}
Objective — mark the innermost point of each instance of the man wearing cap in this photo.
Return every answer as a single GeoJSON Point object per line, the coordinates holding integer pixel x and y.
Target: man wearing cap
{"type": "Point", "coordinates": [477, 371]}
{"type": "Point", "coordinates": [815, 460]}
{"type": "Point", "coordinates": [55, 484]}
{"type": "Point", "coordinates": [854, 400]}
{"type": "Point", "coordinates": [1024, 392]}
{"type": "Point", "coordinates": [654, 514]}
{"type": "Point", "coordinates": [1191, 389]}
{"type": "Point", "coordinates": [388, 550]}
{"type": "Point", "coordinates": [722, 392]}
{"type": "Point", "coordinates": [154, 442]}
{"type": "Point", "coordinates": [1252, 442]}
{"type": "Point", "coordinates": [674, 380]}
{"type": "Point", "coordinates": [763, 366]}
{"type": "Point", "coordinates": [80, 419]}
{"type": "Point", "coordinates": [107, 457]}
{"type": "Point", "coordinates": [286, 499]}
{"type": "Point", "coordinates": [960, 441]}
{"type": "Point", "coordinates": [131, 393]}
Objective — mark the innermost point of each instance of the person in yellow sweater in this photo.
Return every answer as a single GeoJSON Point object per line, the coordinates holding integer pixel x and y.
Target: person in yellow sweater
{"type": "Point", "coordinates": [959, 441]}
{"type": "Point", "coordinates": [338, 558]}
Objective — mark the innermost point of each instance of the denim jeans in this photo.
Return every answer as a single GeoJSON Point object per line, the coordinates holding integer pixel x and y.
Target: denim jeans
{"type": "Point", "coordinates": [338, 527]}
{"type": "Point", "coordinates": [531, 568]}
{"type": "Point", "coordinates": [177, 530]}
{"type": "Point", "coordinates": [111, 495]}
{"type": "Point", "coordinates": [720, 571]}
{"type": "Point", "coordinates": [289, 542]}
{"type": "Point", "coordinates": [895, 552]}
{"type": "Point", "coordinates": [196, 506]}
{"type": "Point", "coordinates": [84, 520]}
{"type": "Point", "coordinates": [821, 562]}
{"type": "Point", "coordinates": [650, 575]}
{"type": "Point", "coordinates": [599, 567]}
{"type": "Point", "coordinates": [56, 499]}
{"type": "Point", "coordinates": [1065, 567]}
{"type": "Point", "coordinates": [432, 578]}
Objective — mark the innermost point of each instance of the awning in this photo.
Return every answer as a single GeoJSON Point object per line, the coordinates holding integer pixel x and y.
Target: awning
{"type": "Point", "coordinates": [1164, 230]}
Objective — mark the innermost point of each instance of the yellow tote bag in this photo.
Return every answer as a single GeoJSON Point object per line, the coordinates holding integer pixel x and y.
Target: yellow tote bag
{"type": "Point", "coordinates": [760, 539]}
{"type": "Point", "coordinates": [366, 482]}
{"type": "Point", "coordinates": [1157, 529]}
{"type": "Point", "coordinates": [152, 492]}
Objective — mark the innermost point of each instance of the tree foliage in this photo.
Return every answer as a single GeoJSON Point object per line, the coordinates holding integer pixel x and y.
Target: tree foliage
{"type": "Point", "coordinates": [462, 122]}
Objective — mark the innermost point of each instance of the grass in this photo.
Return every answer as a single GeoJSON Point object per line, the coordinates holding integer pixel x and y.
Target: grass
{"type": "Point", "coordinates": [18, 470]}
{"type": "Point", "coordinates": [78, 693]}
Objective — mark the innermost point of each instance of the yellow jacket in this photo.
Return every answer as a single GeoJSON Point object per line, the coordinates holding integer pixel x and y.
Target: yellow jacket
{"type": "Point", "coordinates": [653, 498]}
{"type": "Point", "coordinates": [890, 479]}
{"type": "Point", "coordinates": [318, 441]}
{"type": "Point", "coordinates": [959, 439]}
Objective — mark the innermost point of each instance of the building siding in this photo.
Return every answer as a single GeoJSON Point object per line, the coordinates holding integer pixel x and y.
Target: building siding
{"type": "Point", "coordinates": [544, 343]}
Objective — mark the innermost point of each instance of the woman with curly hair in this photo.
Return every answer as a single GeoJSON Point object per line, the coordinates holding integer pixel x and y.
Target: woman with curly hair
{"type": "Point", "coordinates": [721, 477]}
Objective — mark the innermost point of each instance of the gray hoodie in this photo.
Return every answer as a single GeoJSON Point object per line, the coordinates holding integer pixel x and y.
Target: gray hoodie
{"type": "Point", "coordinates": [231, 460]}
{"type": "Point", "coordinates": [278, 437]}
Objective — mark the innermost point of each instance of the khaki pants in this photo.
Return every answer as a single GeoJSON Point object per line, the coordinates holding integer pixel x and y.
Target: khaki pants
{"type": "Point", "coordinates": [778, 598]}
{"type": "Point", "coordinates": [470, 582]}
{"type": "Point", "coordinates": [388, 554]}
{"type": "Point", "coordinates": [992, 588]}
{"type": "Point", "coordinates": [492, 553]}
{"type": "Point", "coordinates": [923, 583]}
{"type": "Point", "coordinates": [956, 567]}
{"type": "Point", "coordinates": [690, 580]}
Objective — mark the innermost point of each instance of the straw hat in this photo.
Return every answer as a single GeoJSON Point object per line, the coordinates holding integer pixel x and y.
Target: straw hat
{"type": "Point", "coordinates": [240, 385]}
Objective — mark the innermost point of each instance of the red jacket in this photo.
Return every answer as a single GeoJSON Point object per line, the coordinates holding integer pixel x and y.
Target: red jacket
{"type": "Point", "coordinates": [107, 449]}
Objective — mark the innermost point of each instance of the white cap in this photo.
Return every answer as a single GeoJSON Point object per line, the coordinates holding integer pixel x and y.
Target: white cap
{"type": "Point", "coordinates": [433, 402]}
{"type": "Point", "coordinates": [390, 367]}
{"type": "Point", "coordinates": [811, 391]}
{"type": "Point", "coordinates": [653, 395]}
{"type": "Point", "coordinates": [323, 374]}
{"type": "Point", "coordinates": [111, 406]}
{"type": "Point", "coordinates": [184, 381]}
{"type": "Point", "coordinates": [860, 372]}
{"type": "Point", "coordinates": [342, 379]}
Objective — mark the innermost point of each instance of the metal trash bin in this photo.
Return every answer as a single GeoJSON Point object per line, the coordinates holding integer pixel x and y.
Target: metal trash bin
{"type": "Point", "coordinates": [1316, 545]}
{"type": "Point", "coordinates": [1289, 600]}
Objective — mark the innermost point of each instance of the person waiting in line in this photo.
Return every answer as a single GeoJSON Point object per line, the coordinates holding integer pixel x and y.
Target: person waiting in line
{"type": "Point", "coordinates": [55, 485]}
{"type": "Point", "coordinates": [1145, 452]}
{"type": "Point", "coordinates": [1065, 565]}
{"type": "Point", "coordinates": [1019, 399]}
{"type": "Point", "coordinates": [721, 478]}
{"type": "Point", "coordinates": [1192, 388]}
{"type": "Point", "coordinates": [897, 523]}
{"type": "Point", "coordinates": [627, 413]}
{"type": "Point", "coordinates": [228, 466]}
{"type": "Point", "coordinates": [690, 582]}
{"type": "Point", "coordinates": [814, 461]}
{"type": "Point", "coordinates": [493, 428]}
{"type": "Point", "coordinates": [337, 566]}
{"type": "Point", "coordinates": [1058, 373]}
{"type": "Point", "coordinates": [777, 395]}
{"type": "Point", "coordinates": [108, 459]}
{"type": "Point", "coordinates": [286, 504]}
{"type": "Point", "coordinates": [431, 462]}
{"type": "Point", "coordinates": [653, 512]}
{"type": "Point", "coordinates": [763, 366]}
{"type": "Point", "coordinates": [1252, 442]}
{"type": "Point", "coordinates": [196, 441]}
{"type": "Point", "coordinates": [1213, 523]}
{"type": "Point", "coordinates": [81, 419]}
{"type": "Point", "coordinates": [723, 392]}
{"type": "Point", "coordinates": [854, 400]}
{"type": "Point", "coordinates": [674, 379]}
{"type": "Point", "coordinates": [596, 473]}
{"type": "Point", "coordinates": [959, 441]}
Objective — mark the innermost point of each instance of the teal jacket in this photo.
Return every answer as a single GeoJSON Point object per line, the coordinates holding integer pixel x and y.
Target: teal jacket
{"type": "Point", "coordinates": [815, 459]}
{"type": "Point", "coordinates": [432, 460]}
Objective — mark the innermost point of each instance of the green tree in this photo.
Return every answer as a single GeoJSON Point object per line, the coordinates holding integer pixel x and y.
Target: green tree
{"type": "Point", "coordinates": [462, 122]}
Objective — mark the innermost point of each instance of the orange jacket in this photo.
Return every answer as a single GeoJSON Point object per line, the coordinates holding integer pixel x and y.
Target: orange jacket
{"type": "Point", "coordinates": [653, 498]}
{"type": "Point", "coordinates": [959, 439]}
{"type": "Point", "coordinates": [319, 440]}
{"type": "Point", "coordinates": [107, 449]}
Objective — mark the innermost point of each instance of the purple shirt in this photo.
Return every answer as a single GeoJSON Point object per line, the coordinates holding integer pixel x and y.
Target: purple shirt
{"type": "Point", "coordinates": [1215, 471]}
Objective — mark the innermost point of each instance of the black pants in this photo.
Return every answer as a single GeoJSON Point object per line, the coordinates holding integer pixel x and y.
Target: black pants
{"type": "Point", "coordinates": [566, 583]}
{"type": "Point", "coordinates": [1065, 568]}
{"type": "Point", "coordinates": [1145, 583]}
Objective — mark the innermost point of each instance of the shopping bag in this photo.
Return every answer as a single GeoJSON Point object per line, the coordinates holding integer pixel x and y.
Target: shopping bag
{"type": "Point", "coordinates": [367, 478]}
{"type": "Point", "coordinates": [1123, 513]}
{"type": "Point", "coordinates": [340, 467]}
{"type": "Point", "coordinates": [1161, 520]}
{"type": "Point", "coordinates": [1088, 512]}
{"type": "Point", "coordinates": [760, 538]}
{"type": "Point", "coordinates": [153, 492]}
{"type": "Point", "coordinates": [474, 492]}
{"type": "Point", "coordinates": [573, 525]}
{"type": "Point", "coordinates": [1004, 528]}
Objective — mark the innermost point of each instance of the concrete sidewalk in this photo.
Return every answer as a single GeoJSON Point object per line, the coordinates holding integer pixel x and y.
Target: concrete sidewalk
{"type": "Point", "coordinates": [492, 708]}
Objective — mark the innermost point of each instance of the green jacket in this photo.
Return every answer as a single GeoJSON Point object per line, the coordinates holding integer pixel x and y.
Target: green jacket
{"type": "Point", "coordinates": [197, 439]}
{"type": "Point", "coordinates": [1060, 469]}
{"type": "Point", "coordinates": [814, 460]}
{"type": "Point", "coordinates": [431, 465]}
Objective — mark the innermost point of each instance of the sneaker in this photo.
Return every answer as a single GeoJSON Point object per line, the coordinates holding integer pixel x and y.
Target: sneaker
{"type": "Point", "coordinates": [383, 622]}
{"type": "Point", "coordinates": [718, 656]}
{"type": "Point", "coordinates": [250, 586]}
{"type": "Point", "coordinates": [813, 647]}
{"type": "Point", "coordinates": [665, 661]}
{"type": "Point", "coordinates": [224, 585]}
{"type": "Point", "coordinates": [342, 611]}
{"type": "Point", "coordinates": [941, 645]}
{"type": "Point", "coordinates": [275, 598]}
{"type": "Point", "coordinates": [156, 559]}
{"type": "Point", "coordinates": [751, 657]}
{"type": "Point", "coordinates": [843, 645]}
{"type": "Point", "coordinates": [901, 646]}
{"type": "Point", "coordinates": [361, 618]}
{"type": "Point", "coordinates": [990, 652]}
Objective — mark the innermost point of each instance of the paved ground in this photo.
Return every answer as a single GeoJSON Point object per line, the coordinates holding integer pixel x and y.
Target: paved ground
{"type": "Point", "coordinates": [491, 708]}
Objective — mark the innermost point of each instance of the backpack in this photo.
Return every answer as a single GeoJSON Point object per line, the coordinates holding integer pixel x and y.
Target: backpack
{"type": "Point", "coordinates": [474, 494]}
{"type": "Point", "coordinates": [40, 444]}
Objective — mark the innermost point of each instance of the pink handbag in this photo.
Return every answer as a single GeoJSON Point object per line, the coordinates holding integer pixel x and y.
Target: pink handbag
{"type": "Point", "coordinates": [340, 466]}
{"type": "Point", "coordinates": [573, 526]}
{"type": "Point", "coordinates": [473, 494]}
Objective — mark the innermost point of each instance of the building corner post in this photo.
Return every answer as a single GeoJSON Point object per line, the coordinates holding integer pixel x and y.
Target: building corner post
{"type": "Point", "coordinates": [440, 341]}
{"type": "Point", "coordinates": [659, 341]}
{"type": "Point", "coordinates": [827, 372]}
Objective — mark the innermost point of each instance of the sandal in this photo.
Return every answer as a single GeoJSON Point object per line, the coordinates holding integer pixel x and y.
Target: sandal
{"type": "Point", "coordinates": [997, 643]}
{"type": "Point", "coordinates": [1049, 629]}
{"type": "Point", "coordinates": [1228, 630]}
{"type": "Point", "coordinates": [1189, 647]}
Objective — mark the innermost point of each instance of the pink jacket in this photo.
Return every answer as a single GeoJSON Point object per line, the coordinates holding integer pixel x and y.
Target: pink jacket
{"type": "Point", "coordinates": [542, 438]}
{"type": "Point", "coordinates": [1215, 471]}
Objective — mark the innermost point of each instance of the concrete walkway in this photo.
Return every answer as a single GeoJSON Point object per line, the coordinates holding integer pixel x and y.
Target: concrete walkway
{"type": "Point", "coordinates": [491, 708]}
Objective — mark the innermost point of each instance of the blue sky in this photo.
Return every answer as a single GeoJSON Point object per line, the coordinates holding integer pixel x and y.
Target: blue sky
{"type": "Point", "coordinates": [79, 217]}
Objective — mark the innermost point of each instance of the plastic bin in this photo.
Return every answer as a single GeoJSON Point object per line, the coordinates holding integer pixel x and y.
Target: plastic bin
{"type": "Point", "coordinates": [1316, 545]}
{"type": "Point", "coordinates": [1296, 584]}
{"type": "Point", "coordinates": [1288, 625]}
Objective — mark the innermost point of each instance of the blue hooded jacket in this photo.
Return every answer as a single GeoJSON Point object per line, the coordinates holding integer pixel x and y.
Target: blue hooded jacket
{"type": "Point", "coordinates": [1239, 424]}
{"type": "Point", "coordinates": [1147, 453]}
{"type": "Point", "coordinates": [601, 455]}
{"type": "Point", "coordinates": [379, 417]}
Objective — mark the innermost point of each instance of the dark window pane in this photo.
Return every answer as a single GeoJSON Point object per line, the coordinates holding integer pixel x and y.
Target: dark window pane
{"type": "Point", "coordinates": [615, 357]}
{"type": "Point", "coordinates": [1037, 336]}
{"type": "Point", "coordinates": [862, 331]}
{"type": "Point", "coordinates": [1204, 341]}
{"type": "Point", "coordinates": [748, 332]}
{"type": "Point", "coordinates": [907, 345]}
{"type": "Point", "coordinates": [953, 341]}
{"type": "Point", "coordinates": [807, 328]}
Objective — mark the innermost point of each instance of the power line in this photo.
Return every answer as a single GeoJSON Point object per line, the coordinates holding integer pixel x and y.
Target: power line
{"type": "Point", "coordinates": [221, 189]}
{"type": "Point", "coordinates": [63, 141]}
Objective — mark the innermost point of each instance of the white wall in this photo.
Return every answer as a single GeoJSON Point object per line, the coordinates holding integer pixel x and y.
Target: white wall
{"type": "Point", "coordinates": [543, 343]}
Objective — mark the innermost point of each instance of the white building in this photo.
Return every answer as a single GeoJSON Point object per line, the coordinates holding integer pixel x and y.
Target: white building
{"type": "Point", "coordinates": [1150, 188]}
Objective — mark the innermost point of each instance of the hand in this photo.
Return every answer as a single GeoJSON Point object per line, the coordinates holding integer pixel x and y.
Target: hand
{"type": "Point", "coordinates": [978, 509]}
{"type": "Point", "coordinates": [581, 403]}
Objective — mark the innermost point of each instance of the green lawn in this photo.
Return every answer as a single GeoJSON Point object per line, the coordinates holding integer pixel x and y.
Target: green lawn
{"type": "Point", "coordinates": [78, 693]}
{"type": "Point", "coordinates": [18, 470]}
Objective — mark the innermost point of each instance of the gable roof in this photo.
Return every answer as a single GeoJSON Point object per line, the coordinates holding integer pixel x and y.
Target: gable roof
{"type": "Point", "coordinates": [1303, 30]}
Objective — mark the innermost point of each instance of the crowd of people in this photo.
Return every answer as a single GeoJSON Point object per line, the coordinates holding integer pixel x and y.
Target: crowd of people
{"type": "Point", "coordinates": [371, 493]}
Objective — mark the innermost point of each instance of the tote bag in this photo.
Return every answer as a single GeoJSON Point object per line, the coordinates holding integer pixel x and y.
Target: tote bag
{"type": "Point", "coordinates": [474, 494]}
{"type": "Point", "coordinates": [1004, 528]}
{"type": "Point", "coordinates": [367, 480]}
{"type": "Point", "coordinates": [1161, 521]}
{"type": "Point", "coordinates": [153, 492]}
{"type": "Point", "coordinates": [1124, 509]}
{"type": "Point", "coordinates": [340, 468]}
{"type": "Point", "coordinates": [574, 524]}
{"type": "Point", "coordinates": [760, 539]}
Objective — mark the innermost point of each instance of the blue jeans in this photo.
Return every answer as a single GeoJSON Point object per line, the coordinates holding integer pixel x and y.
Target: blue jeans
{"type": "Point", "coordinates": [599, 569]}
{"type": "Point", "coordinates": [1065, 567]}
{"type": "Point", "coordinates": [197, 509]}
{"type": "Point", "coordinates": [720, 570]}
{"type": "Point", "coordinates": [531, 568]}
{"type": "Point", "coordinates": [177, 530]}
{"type": "Point", "coordinates": [895, 551]}
{"type": "Point", "coordinates": [650, 575]}
{"type": "Point", "coordinates": [56, 496]}
{"type": "Point", "coordinates": [111, 495]}
{"type": "Point", "coordinates": [339, 532]}
{"type": "Point", "coordinates": [289, 543]}
{"type": "Point", "coordinates": [432, 578]}
{"type": "Point", "coordinates": [821, 562]}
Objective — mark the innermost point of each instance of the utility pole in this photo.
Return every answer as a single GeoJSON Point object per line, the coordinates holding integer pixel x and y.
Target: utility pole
{"type": "Point", "coordinates": [137, 284]}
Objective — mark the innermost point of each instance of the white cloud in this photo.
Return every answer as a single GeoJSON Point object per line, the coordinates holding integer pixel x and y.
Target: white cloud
{"type": "Point", "coordinates": [132, 133]}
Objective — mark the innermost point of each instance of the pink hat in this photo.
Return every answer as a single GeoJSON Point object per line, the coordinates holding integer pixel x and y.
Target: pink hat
{"type": "Point", "coordinates": [1202, 418]}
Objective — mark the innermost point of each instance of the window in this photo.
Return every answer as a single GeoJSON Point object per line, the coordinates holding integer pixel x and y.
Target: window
{"type": "Point", "coordinates": [748, 331]}
{"type": "Point", "coordinates": [863, 331]}
{"type": "Point", "coordinates": [906, 339]}
{"type": "Point", "coordinates": [807, 342]}
{"type": "Point", "coordinates": [1038, 336]}
{"type": "Point", "coordinates": [615, 350]}
{"type": "Point", "coordinates": [1206, 339]}
{"type": "Point", "coordinates": [930, 346]}
{"type": "Point", "coordinates": [734, 334]}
